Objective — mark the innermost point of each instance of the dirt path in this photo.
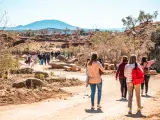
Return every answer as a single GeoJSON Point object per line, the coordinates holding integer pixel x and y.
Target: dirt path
{"type": "Point", "coordinates": [76, 108]}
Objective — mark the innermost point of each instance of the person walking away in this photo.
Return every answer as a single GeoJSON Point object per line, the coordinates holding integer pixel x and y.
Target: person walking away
{"type": "Point", "coordinates": [52, 55]}
{"type": "Point", "coordinates": [29, 59]}
{"type": "Point", "coordinates": [48, 58]}
{"type": "Point", "coordinates": [128, 73]}
{"type": "Point", "coordinates": [40, 57]}
{"type": "Point", "coordinates": [44, 58]}
{"type": "Point", "coordinates": [34, 55]}
{"type": "Point", "coordinates": [122, 78]}
{"type": "Point", "coordinates": [95, 79]}
{"type": "Point", "coordinates": [146, 68]}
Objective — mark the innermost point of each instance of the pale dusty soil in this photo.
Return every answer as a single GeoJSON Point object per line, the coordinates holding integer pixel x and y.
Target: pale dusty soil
{"type": "Point", "coordinates": [77, 107]}
{"type": "Point", "coordinates": [51, 89]}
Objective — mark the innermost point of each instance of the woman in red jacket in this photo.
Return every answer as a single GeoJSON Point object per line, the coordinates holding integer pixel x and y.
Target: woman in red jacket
{"type": "Point", "coordinates": [122, 78]}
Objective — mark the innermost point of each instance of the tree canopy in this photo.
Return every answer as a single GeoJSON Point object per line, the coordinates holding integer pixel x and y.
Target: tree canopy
{"type": "Point", "coordinates": [147, 17]}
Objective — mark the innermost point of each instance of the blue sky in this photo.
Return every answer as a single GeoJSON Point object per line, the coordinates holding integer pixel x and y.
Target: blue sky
{"type": "Point", "coordinates": [81, 13]}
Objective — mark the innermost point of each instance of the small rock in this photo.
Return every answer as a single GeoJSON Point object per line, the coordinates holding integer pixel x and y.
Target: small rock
{"type": "Point", "coordinates": [65, 98]}
{"type": "Point", "coordinates": [33, 83]}
{"type": "Point", "coordinates": [18, 85]}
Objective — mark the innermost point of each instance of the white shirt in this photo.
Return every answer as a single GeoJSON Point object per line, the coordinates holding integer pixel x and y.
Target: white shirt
{"type": "Point", "coordinates": [128, 71]}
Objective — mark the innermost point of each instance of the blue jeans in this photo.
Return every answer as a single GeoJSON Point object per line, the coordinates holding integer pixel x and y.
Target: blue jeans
{"type": "Point", "coordinates": [93, 91]}
{"type": "Point", "coordinates": [41, 62]}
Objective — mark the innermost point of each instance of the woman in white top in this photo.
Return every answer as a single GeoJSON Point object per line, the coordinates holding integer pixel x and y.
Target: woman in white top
{"type": "Point", "coordinates": [130, 86]}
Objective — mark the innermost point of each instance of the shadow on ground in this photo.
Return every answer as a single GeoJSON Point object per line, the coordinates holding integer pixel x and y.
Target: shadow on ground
{"type": "Point", "coordinates": [122, 100]}
{"type": "Point", "coordinates": [93, 111]}
{"type": "Point", "coordinates": [137, 115]}
{"type": "Point", "coordinates": [147, 96]}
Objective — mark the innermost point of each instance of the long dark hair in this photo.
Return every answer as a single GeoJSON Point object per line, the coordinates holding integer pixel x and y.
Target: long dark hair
{"type": "Point", "coordinates": [144, 59]}
{"type": "Point", "coordinates": [93, 59]}
{"type": "Point", "coordinates": [125, 59]}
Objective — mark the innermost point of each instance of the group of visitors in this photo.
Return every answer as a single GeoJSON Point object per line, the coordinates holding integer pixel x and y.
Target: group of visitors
{"type": "Point", "coordinates": [67, 54]}
{"type": "Point", "coordinates": [132, 75]}
{"type": "Point", "coordinates": [44, 58]}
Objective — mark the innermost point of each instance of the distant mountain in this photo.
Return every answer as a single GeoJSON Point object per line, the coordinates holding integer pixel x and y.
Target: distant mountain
{"type": "Point", "coordinates": [43, 24]}
{"type": "Point", "coordinates": [52, 25]}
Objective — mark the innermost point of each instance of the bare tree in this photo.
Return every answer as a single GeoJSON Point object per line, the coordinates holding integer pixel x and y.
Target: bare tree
{"type": "Point", "coordinates": [147, 17]}
{"type": "Point", "coordinates": [129, 22]}
{"type": "Point", "coordinates": [3, 20]}
{"type": "Point", "coordinates": [141, 16]}
{"type": "Point", "coordinates": [66, 31]}
{"type": "Point", "coordinates": [7, 61]}
{"type": "Point", "coordinates": [44, 32]}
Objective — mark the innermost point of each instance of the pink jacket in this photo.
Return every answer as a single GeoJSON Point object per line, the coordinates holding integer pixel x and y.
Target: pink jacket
{"type": "Point", "coordinates": [148, 64]}
{"type": "Point", "coordinates": [93, 72]}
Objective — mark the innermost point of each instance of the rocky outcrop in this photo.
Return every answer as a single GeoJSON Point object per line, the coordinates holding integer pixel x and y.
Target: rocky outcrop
{"type": "Point", "coordinates": [57, 65]}
{"type": "Point", "coordinates": [61, 58]}
{"type": "Point", "coordinates": [20, 84]}
{"type": "Point", "coordinates": [155, 53]}
{"type": "Point", "coordinates": [22, 71]}
{"type": "Point", "coordinates": [28, 83]}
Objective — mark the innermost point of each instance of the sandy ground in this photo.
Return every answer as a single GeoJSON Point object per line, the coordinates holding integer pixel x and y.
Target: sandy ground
{"type": "Point", "coordinates": [78, 107]}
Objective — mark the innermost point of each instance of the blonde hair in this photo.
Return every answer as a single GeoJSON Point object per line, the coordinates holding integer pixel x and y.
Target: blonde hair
{"type": "Point", "coordinates": [132, 59]}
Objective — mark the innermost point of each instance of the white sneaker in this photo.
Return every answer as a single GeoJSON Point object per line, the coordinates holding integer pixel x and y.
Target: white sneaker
{"type": "Point", "coordinates": [124, 98]}
{"type": "Point", "coordinates": [121, 98]}
{"type": "Point", "coordinates": [141, 92]}
{"type": "Point", "coordinates": [130, 111]}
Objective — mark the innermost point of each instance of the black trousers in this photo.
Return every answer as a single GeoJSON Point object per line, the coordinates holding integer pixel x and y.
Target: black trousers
{"type": "Point", "coordinates": [123, 87]}
{"type": "Point", "coordinates": [146, 81]}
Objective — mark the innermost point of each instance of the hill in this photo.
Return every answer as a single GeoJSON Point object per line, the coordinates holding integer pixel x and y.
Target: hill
{"type": "Point", "coordinates": [43, 24]}
{"type": "Point", "coordinates": [53, 25]}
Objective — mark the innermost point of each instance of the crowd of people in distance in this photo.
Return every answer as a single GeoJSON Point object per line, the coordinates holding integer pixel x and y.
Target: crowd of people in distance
{"type": "Point", "coordinates": [44, 58]}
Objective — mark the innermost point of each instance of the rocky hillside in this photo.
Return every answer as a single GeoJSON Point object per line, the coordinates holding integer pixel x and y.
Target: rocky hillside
{"type": "Point", "coordinates": [143, 41]}
{"type": "Point", "coordinates": [148, 40]}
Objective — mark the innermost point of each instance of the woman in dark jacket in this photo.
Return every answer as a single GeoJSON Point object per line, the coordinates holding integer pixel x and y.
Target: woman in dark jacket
{"type": "Point", "coordinates": [122, 78]}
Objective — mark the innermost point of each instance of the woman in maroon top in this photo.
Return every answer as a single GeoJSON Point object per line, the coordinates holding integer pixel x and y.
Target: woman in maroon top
{"type": "Point", "coordinates": [122, 78]}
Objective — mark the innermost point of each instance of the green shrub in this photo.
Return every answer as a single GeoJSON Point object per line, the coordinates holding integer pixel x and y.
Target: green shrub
{"type": "Point", "coordinates": [40, 76]}
{"type": "Point", "coordinates": [51, 74]}
{"type": "Point", "coordinates": [7, 61]}
{"type": "Point", "coordinates": [4, 76]}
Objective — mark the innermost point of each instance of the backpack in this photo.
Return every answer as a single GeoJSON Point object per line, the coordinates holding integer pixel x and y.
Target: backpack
{"type": "Point", "coordinates": [146, 69]}
{"type": "Point", "coordinates": [137, 75]}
